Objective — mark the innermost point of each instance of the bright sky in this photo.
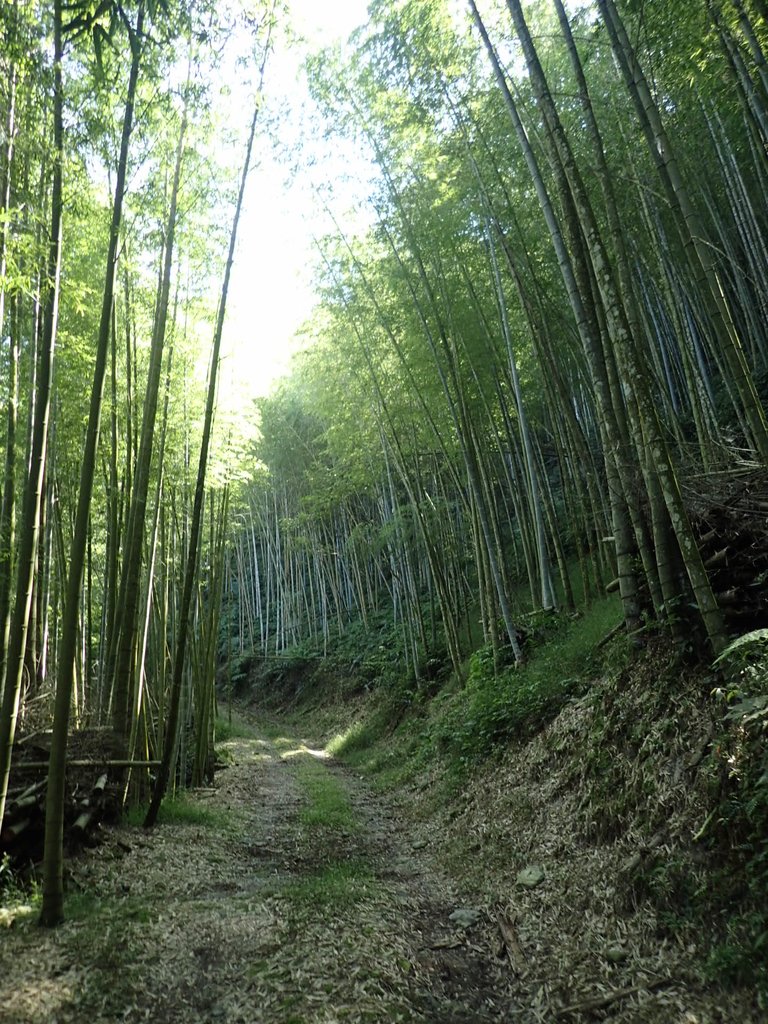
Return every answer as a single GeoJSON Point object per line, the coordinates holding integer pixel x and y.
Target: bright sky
{"type": "Point", "coordinates": [271, 293]}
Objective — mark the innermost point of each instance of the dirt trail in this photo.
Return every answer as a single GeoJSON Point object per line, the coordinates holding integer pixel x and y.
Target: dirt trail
{"type": "Point", "coordinates": [300, 899]}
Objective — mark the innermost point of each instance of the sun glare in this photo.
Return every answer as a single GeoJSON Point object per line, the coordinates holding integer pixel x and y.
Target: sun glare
{"type": "Point", "coordinates": [272, 293]}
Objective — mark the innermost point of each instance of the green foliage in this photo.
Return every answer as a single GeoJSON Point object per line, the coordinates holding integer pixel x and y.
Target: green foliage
{"type": "Point", "coordinates": [515, 702]}
{"type": "Point", "coordinates": [329, 806]}
{"type": "Point", "coordinates": [182, 810]}
{"type": "Point", "coordinates": [743, 649]}
{"type": "Point", "coordinates": [338, 885]}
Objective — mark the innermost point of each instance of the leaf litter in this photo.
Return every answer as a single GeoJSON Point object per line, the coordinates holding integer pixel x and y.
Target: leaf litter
{"type": "Point", "coordinates": [261, 920]}
{"type": "Point", "coordinates": [265, 920]}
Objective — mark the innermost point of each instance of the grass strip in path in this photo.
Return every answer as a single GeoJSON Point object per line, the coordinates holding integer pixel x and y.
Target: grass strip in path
{"type": "Point", "coordinates": [280, 897]}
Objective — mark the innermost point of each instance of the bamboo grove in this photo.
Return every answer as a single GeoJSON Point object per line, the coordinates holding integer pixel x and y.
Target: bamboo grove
{"type": "Point", "coordinates": [546, 346]}
{"type": "Point", "coordinates": [111, 250]}
{"type": "Point", "coordinates": [540, 347]}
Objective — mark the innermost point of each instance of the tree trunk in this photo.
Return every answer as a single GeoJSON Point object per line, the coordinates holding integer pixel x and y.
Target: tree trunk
{"type": "Point", "coordinates": [11, 677]}
{"type": "Point", "coordinates": [698, 251]}
{"type": "Point", "coordinates": [172, 725]}
{"type": "Point", "coordinates": [129, 589]}
{"type": "Point", "coordinates": [52, 912]}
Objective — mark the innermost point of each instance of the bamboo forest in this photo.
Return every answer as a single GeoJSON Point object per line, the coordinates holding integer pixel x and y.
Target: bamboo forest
{"type": "Point", "coordinates": [384, 511]}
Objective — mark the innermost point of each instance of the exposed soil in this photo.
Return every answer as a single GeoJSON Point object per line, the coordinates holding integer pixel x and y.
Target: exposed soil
{"type": "Point", "coordinates": [260, 919]}
{"type": "Point", "coordinates": [642, 887]}
{"type": "Point", "coordinates": [260, 916]}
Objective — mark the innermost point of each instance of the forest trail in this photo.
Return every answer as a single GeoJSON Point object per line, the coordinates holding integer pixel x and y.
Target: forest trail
{"type": "Point", "coordinates": [293, 896]}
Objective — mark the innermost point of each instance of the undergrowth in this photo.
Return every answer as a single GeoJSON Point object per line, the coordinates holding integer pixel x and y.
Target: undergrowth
{"type": "Point", "coordinates": [338, 885]}
{"type": "Point", "coordinates": [404, 730]}
{"type": "Point", "coordinates": [85, 906]}
{"type": "Point", "coordinates": [181, 810]}
{"type": "Point", "coordinates": [679, 752]}
{"type": "Point", "coordinates": [20, 899]}
{"type": "Point", "coordinates": [231, 726]}
{"type": "Point", "coordinates": [516, 701]}
{"type": "Point", "coordinates": [365, 657]}
{"type": "Point", "coordinates": [669, 753]}
{"type": "Point", "coordinates": [643, 765]}
{"type": "Point", "coordinates": [648, 712]}
{"type": "Point", "coordinates": [739, 769]}
{"type": "Point", "coordinates": [339, 877]}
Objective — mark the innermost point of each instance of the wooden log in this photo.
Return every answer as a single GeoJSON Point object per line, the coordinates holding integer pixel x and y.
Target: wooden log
{"type": "Point", "coordinates": [36, 787]}
{"type": "Point", "coordinates": [514, 951]}
{"type": "Point", "coordinates": [26, 799]}
{"type": "Point", "coordinates": [45, 733]}
{"type": "Point", "coordinates": [740, 613]}
{"type": "Point", "coordinates": [14, 829]}
{"type": "Point", "coordinates": [82, 824]}
{"type": "Point", "coordinates": [600, 1002]}
{"type": "Point", "coordinates": [98, 787]}
{"type": "Point", "coordinates": [96, 796]}
{"type": "Point", "coordinates": [745, 576]}
{"type": "Point", "coordinates": [719, 558]}
{"type": "Point", "coordinates": [610, 635]}
{"type": "Point", "coordinates": [14, 792]}
{"type": "Point", "coordinates": [23, 804]}
{"type": "Point", "coordinates": [705, 538]}
{"type": "Point", "coordinates": [91, 807]}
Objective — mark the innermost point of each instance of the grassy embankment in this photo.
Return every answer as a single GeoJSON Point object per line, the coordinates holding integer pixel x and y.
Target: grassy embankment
{"type": "Point", "coordinates": [664, 752]}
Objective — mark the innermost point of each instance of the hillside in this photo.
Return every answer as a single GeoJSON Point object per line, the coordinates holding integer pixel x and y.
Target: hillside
{"type": "Point", "coordinates": [625, 783]}
{"type": "Point", "coordinates": [486, 567]}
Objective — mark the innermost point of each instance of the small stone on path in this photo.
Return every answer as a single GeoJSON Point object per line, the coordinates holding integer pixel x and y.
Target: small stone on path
{"type": "Point", "coordinates": [465, 917]}
{"type": "Point", "coordinates": [531, 876]}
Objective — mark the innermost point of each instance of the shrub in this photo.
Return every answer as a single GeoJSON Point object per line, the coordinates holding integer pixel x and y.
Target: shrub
{"type": "Point", "coordinates": [518, 701]}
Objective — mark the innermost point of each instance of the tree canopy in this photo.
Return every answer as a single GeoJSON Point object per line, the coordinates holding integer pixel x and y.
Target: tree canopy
{"type": "Point", "coordinates": [539, 349]}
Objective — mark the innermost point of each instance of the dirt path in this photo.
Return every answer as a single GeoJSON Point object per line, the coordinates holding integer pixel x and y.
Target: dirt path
{"type": "Point", "coordinates": [297, 897]}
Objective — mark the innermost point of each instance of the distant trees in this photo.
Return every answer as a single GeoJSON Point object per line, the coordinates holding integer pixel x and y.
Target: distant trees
{"type": "Point", "coordinates": [553, 324]}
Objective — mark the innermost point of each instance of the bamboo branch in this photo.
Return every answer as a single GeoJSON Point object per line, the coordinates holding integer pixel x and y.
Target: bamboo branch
{"type": "Point", "coordinates": [99, 763]}
{"type": "Point", "coordinates": [599, 1002]}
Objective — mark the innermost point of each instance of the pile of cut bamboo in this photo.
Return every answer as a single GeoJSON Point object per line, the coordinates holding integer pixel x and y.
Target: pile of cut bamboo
{"type": "Point", "coordinates": [734, 546]}
{"type": "Point", "coordinates": [95, 781]}
{"type": "Point", "coordinates": [21, 837]}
